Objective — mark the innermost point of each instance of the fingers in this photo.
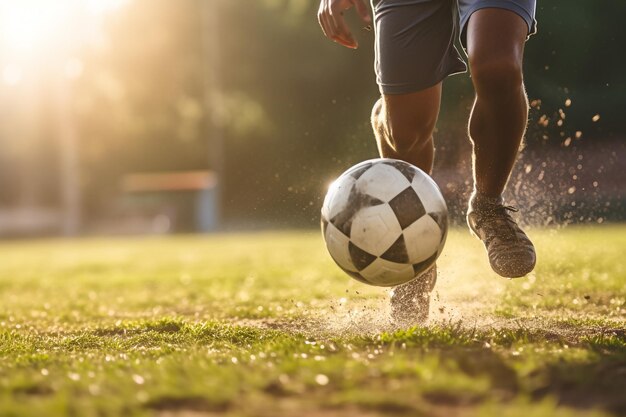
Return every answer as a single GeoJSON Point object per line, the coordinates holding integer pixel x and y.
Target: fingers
{"type": "Point", "coordinates": [363, 11]}
{"type": "Point", "coordinates": [333, 24]}
{"type": "Point", "coordinates": [342, 32]}
{"type": "Point", "coordinates": [322, 19]}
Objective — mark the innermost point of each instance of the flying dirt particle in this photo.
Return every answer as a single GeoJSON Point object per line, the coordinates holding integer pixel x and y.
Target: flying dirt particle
{"type": "Point", "coordinates": [543, 121]}
{"type": "Point", "coordinates": [528, 168]}
{"type": "Point", "coordinates": [600, 220]}
{"type": "Point", "coordinates": [571, 190]}
{"type": "Point", "coordinates": [561, 113]}
{"type": "Point", "coordinates": [559, 123]}
{"type": "Point", "coordinates": [587, 297]}
{"type": "Point", "coordinates": [568, 102]}
{"type": "Point", "coordinates": [567, 142]}
{"type": "Point", "coordinates": [595, 184]}
{"type": "Point", "coordinates": [578, 134]}
{"type": "Point", "coordinates": [321, 379]}
{"type": "Point", "coordinates": [138, 379]}
{"type": "Point", "coordinates": [595, 118]}
{"type": "Point", "coordinates": [541, 174]}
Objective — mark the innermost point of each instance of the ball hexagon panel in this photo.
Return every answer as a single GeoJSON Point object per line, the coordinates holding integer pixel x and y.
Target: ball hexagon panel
{"type": "Point", "coordinates": [360, 258]}
{"type": "Point", "coordinates": [336, 199]}
{"type": "Point", "coordinates": [382, 182]}
{"type": "Point", "coordinates": [386, 274]}
{"type": "Point", "coordinates": [397, 252]}
{"type": "Point", "coordinates": [441, 218]}
{"type": "Point", "coordinates": [425, 265]}
{"type": "Point", "coordinates": [409, 171]}
{"type": "Point", "coordinates": [429, 194]}
{"type": "Point", "coordinates": [422, 238]}
{"type": "Point", "coordinates": [407, 207]}
{"type": "Point", "coordinates": [358, 170]}
{"type": "Point", "coordinates": [375, 229]}
{"type": "Point", "coordinates": [358, 277]}
{"type": "Point", "coordinates": [338, 246]}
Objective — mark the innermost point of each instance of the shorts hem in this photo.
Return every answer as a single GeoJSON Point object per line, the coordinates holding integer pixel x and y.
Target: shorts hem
{"type": "Point", "coordinates": [406, 88]}
{"type": "Point", "coordinates": [495, 4]}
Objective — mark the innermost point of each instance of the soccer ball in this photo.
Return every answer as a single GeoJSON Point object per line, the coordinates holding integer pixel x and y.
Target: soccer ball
{"type": "Point", "coordinates": [384, 222]}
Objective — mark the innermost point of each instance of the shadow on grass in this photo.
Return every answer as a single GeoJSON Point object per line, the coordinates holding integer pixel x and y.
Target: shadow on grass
{"type": "Point", "coordinates": [596, 379]}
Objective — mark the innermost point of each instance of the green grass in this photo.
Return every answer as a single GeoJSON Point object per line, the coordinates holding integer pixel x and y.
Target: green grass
{"type": "Point", "coordinates": [265, 324]}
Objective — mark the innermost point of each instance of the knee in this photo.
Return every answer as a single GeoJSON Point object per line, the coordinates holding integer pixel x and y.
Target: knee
{"type": "Point", "coordinates": [408, 137]}
{"type": "Point", "coordinates": [407, 134]}
{"type": "Point", "coordinates": [496, 76]}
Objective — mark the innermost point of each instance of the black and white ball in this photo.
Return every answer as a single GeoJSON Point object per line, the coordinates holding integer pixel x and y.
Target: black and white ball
{"type": "Point", "coordinates": [384, 222]}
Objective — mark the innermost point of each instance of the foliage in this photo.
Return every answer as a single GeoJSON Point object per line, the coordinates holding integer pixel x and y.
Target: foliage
{"type": "Point", "coordinates": [293, 108]}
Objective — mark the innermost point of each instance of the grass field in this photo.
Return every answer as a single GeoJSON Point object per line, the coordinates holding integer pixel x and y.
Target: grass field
{"type": "Point", "coordinates": [265, 324]}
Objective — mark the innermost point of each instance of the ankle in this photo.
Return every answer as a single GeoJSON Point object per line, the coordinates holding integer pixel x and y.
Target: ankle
{"type": "Point", "coordinates": [480, 201]}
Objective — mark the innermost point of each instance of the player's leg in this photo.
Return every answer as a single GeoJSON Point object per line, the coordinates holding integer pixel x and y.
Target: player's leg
{"type": "Point", "coordinates": [495, 45]}
{"type": "Point", "coordinates": [404, 123]}
{"type": "Point", "coordinates": [414, 53]}
{"type": "Point", "coordinates": [403, 126]}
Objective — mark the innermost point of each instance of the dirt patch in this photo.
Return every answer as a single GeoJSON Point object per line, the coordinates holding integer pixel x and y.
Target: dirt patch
{"type": "Point", "coordinates": [186, 404]}
{"type": "Point", "coordinates": [35, 390]}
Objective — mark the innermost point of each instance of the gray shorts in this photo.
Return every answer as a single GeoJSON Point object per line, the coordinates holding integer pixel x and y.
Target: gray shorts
{"type": "Point", "coordinates": [415, 39]}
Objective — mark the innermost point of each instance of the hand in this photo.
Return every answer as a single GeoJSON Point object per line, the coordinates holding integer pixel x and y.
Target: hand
{"type": "Point", "coordinates": [330, 16]}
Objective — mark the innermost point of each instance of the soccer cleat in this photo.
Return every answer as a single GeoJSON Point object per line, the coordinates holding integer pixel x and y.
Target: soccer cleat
{"type": "Point", "coordinates": [410, 302]}
{"type": "Point", "coordinates": [511, 253]}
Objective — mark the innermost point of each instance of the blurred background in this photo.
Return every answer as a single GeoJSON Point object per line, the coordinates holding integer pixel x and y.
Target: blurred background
{"type": "Point", "coordinates": [160, 116]}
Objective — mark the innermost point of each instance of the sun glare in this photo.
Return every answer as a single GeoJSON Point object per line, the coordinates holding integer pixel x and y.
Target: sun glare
{"type": "Point", "coordinates": [30, 27]}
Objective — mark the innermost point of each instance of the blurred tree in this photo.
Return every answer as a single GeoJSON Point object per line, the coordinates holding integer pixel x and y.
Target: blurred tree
{"type": "Point", "coordinates": [294, 106]}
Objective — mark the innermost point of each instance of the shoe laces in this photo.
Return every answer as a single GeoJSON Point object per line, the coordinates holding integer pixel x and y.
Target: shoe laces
{"type": "Point", "coordinates": [499, 223]}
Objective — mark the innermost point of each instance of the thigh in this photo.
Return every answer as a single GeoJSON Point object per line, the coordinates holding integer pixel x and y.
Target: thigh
{"type": "Point", "coordinates": [525, 9]}
{"type": "Point", "coordinates": [496, 35]}
{"type": "Point", "coordinates": [414, 44]}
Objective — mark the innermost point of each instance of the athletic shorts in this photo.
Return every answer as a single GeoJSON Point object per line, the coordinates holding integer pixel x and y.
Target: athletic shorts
{"type": "Point", "coordinates": [415, 39]}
